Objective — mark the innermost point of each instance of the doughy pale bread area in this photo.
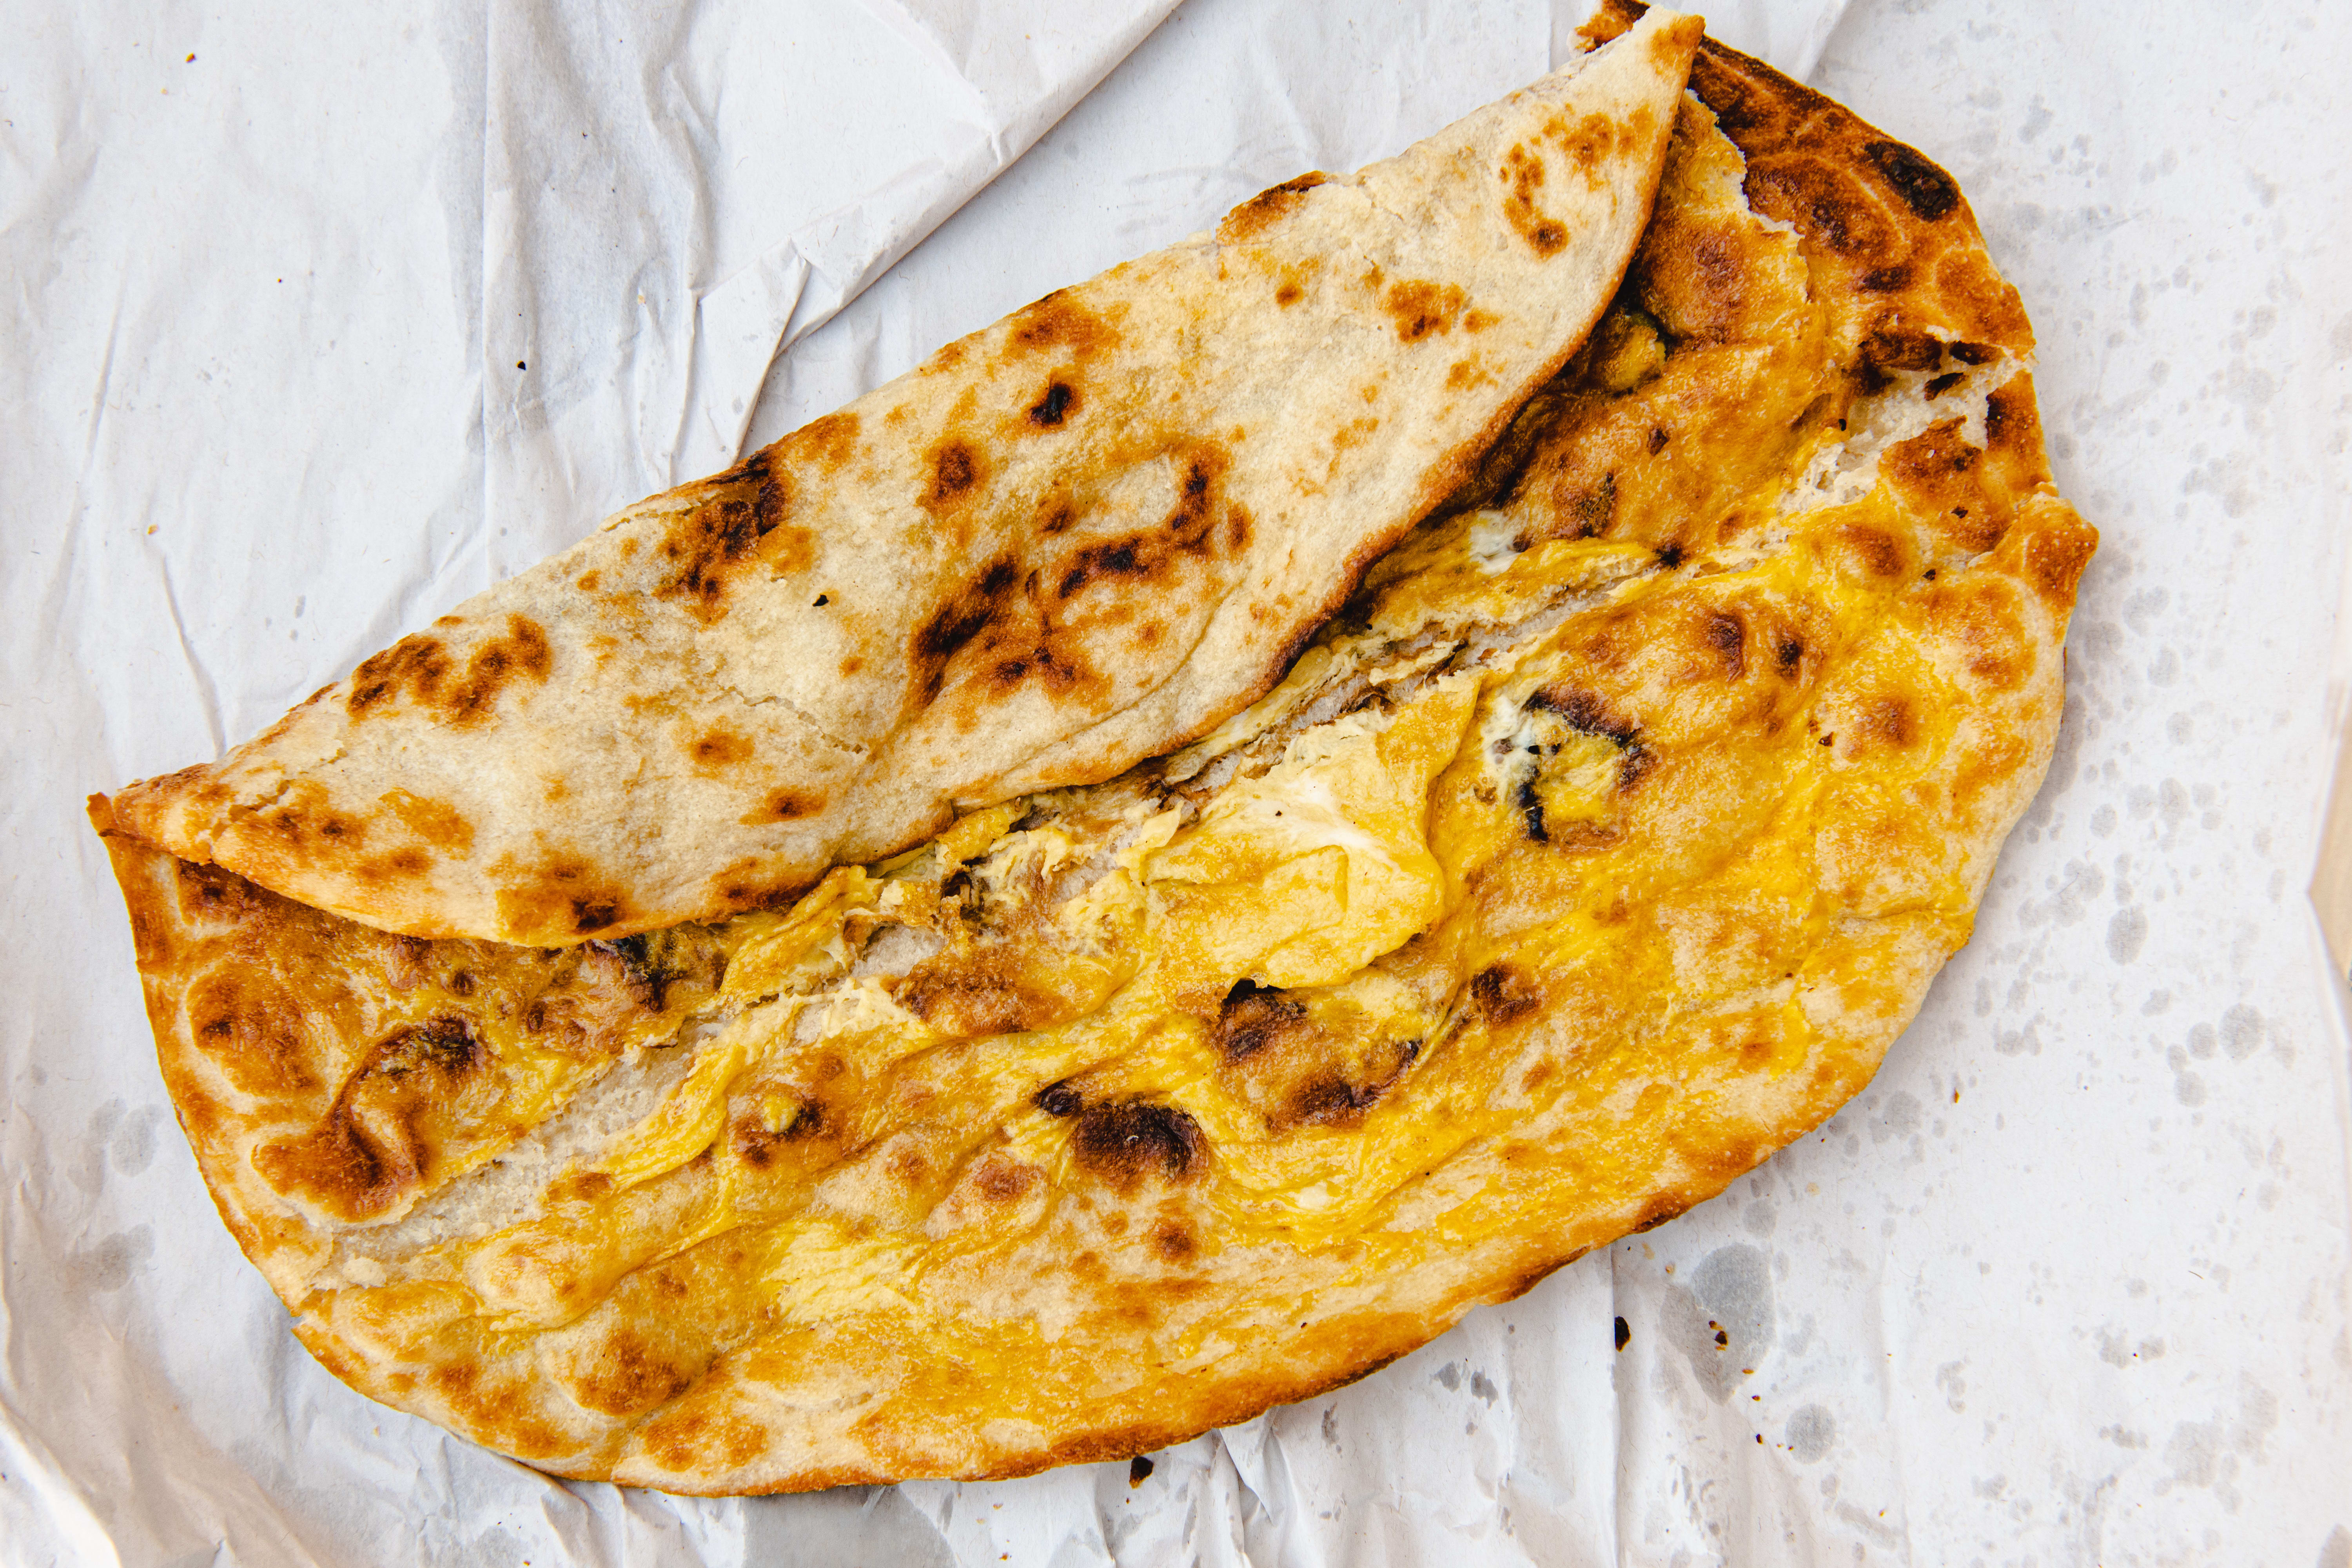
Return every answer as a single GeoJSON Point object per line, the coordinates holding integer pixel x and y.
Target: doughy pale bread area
{"type": "Point", "coordinates": [1598, 847]}
{"type": "Point", "coordinates": [1066, 542]}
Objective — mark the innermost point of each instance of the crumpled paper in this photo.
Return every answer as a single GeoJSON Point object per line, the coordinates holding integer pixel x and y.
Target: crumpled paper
{"type": "Point", "coordinates": [319, 331]}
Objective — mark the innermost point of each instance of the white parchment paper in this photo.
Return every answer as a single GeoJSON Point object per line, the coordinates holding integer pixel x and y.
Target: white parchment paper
{"type": "Point", "coordinates": [356, 310]}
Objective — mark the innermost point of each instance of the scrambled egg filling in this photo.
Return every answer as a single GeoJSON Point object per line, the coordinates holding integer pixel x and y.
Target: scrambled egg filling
{"type": "Point", "coordinates": [1631, 791]}
{"type": "Point", "coordinates": [1312, 984]}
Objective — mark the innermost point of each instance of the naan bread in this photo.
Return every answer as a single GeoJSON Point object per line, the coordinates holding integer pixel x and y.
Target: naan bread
{"type": "Point", "coordinates": [1066, 542]}
{"type": "Point", "coordinates": [1598, 848]}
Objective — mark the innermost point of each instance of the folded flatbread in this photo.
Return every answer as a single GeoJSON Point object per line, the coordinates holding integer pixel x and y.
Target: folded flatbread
{"type": "Point", "coordinates": [1597, 849]}
{"type": "Point", "coordinates": [1073, 540]}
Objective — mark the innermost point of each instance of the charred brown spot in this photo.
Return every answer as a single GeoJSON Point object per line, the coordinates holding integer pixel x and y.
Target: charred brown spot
{"type": "Point", "coordinates": [627, 1376]}
{"type": "Point", "coordinates": [1788, 654]}
{"type": "Point", "coordinates": [340, 1166]}
{"type": "Point", "coordinates": [1935, 454]}
{"type": "Point", "coordinates": [759, 1139]}
{"type": "Point", "coordinates": [448, 1044]}
{"type": "Point", "coordinates": [1003, 1180]}
{"type": "Point", "coordinates": [1938, 470]}
{"type": "Point", "coordinates": [649, 965]}
{"type": "Point", "coordinates": [1332, 1102]}
{"type": "Point", "coordinates": [1049, 410]}
{"type": "Point", "coordinates": [1728, 634]}
{"type": "Point", "coordinates": [1594, 139]}
{"type": "Point", "coordinates": [1420, 308]}
{"type": "Point", "coordinates": [1267, 209]}
{"type": "Point", "coordinates": [1058, 322]}
{"type": "Point", "coordinates": [689, 1438]}
{"type": "Point", "coordinates": [522, 654]}
{"type": "Point", "coordinates": [207, 892]}
{"type": "Point", "coordinates": [1171, 1243]}
{"type": "Point", "coordinates": [1594, 509]}
{"type": "Point", "coordinates": [1121, 558]}
{"type": "Point", "coordinates": [1889, 720]}
{"type": "Point", "coordinates": [1123, 1144]}
{"type": "Point", "coordinates": [438, 822]}
{"type": "Point", "coordinates": [759, 466]}
{"type": "Point", "coordinates": [1891, 346]}
{"type": "Point", "coordinates": [707, 547]}
{"type": "Point", "coordinates": [1874, 549]}
{"type": "Point", "coordinates": [252, 1030]}
{"type": "Point", "coordinates": [1925, 189]}
{"type": "Point", "coordinates": [1198, 475]}
{"type": "Point", "coordinates": [1973, 353]}
{"type": "Point", "coordinates": [1584, 712]}
{"type": "Point", "coordinates": [956, 467]}
{"type": "Point", "coordinates": [400, 865]}
{"type": "Point", "coordinates": [1058, 1098]}
{"type": "Point", "coordinates": [595, 914]}
{"type": "Point", "coordinates": [1503, 995]}
{"type": "Point", "coordinates": [416, 663]}
{"type": "Point", "coordinates": [1943, 383]}
{"type": "Point", "coordinates": [1287, 293]}
{"type": "Point", "coordinates": [1827, 204]}
{"type": "Point", "coordinates": [1057, 672]}
{"type": "Point", "coordinates": [2011, 426]}
{"type": "Point", "coordinates": [828, 442]}
{"type": "Point", "coordinates": [350, 1170]}
{"type": "Point", "coordinates": [720, 747]}
{"type": "Point", "coordinates": [959, 620]}
{"type": "Point", "coordinates": [1530, 807]}
{"type": "Point", "coordinates": [965, 999]}
{"type": "Point", "coordinates": [783, 804]}
{"type": "Point", "coordinates": [1189, 529]}
{"type": "Point", "coordinates": [1591, 716]}
{"type": "Point", "coordinates": [1254, 1016]}
{"type": "Point", "coordinates": [1522, 174]}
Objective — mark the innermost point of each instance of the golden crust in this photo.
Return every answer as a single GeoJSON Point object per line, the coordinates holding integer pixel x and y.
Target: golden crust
{"type": "Point", "coordinates": [1599, 848]}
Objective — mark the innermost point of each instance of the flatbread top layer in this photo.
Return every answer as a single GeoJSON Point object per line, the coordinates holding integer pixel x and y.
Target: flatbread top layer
{"type": "Point", "coordinates": [1597, 849]}
{"type": "Point", "coordinates": [1066, 542]}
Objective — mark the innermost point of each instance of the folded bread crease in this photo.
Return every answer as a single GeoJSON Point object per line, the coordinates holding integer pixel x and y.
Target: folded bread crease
{"type": "Point", "coordinates": [1071, 541]}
